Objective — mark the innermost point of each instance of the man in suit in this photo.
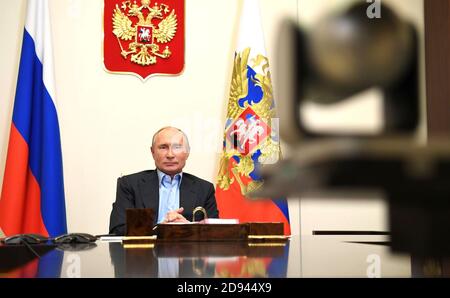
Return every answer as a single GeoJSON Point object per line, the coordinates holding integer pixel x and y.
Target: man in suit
{"type": "Point", "coordinates": [167, 190]}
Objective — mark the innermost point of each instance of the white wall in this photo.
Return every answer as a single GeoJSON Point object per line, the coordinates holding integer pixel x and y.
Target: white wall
{"type": "Point", "coordinates": [107, 120]}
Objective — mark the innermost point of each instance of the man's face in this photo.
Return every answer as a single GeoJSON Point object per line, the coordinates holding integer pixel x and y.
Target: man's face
{"type": "Point", "coordinates": [170, 151]}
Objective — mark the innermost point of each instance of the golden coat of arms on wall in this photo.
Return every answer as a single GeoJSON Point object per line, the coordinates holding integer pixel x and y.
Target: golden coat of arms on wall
{"type": "Point", "coordinates": [144, 37]}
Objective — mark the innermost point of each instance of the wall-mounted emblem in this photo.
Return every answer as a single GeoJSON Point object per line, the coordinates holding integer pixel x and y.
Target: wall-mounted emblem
{"type": "Point", "coordinates": [144, 37]}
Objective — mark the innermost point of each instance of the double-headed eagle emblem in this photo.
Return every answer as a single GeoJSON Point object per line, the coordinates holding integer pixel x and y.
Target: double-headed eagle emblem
{"type": "Point", "coordinates": [250, 138]}
{"type": "Point", "coordinates": [147, 35]}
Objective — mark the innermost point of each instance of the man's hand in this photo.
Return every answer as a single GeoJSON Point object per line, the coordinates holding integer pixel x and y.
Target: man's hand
{"type": "Point", "coordinates": [175, 216]}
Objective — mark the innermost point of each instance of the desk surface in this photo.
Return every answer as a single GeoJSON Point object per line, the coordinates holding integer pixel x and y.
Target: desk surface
{"type": "Point", "coordinates": [307, 256]}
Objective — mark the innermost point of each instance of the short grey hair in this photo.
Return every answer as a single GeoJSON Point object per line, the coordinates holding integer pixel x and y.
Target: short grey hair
{"type": "Point", "coordinates": [171, 127]}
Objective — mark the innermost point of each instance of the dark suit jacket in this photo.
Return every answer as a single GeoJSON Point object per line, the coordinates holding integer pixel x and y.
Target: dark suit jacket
{"type": "Point", "coordinates": [141, 190]}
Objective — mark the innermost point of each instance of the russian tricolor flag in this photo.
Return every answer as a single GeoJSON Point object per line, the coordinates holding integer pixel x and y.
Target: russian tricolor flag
{"type": "Point", "coordinates": [32, 197]}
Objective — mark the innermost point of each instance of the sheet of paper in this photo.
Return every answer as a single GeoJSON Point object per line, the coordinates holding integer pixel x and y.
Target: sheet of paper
{"type": "Point", "coordinates": [221, 221]}
{"type": "Point", "coordinates": [111, 238]}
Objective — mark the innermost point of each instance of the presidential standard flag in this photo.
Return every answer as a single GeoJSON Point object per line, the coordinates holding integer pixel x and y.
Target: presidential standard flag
{"type": "Point", "coordinates": [32, 197]}
{"type": "Point", "coordinates": [251, 130]}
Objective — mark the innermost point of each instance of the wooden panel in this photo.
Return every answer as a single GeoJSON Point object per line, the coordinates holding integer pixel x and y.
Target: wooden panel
{"type": "Point", "coordinates": [221, 232]}
{"type": "Point", "coordinates": [202, 232]}
{"type": "Point", "coordinates": [437, 51]}
{"type": "Point", "coordinates": [139, 222]}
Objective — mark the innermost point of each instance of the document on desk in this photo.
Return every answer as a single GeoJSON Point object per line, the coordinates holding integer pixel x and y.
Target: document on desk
{"type": "Point", "coordinates": [111, 238]}
{"type": "Point", "coordinates": [206, 221]}
{"type": "Point", "coordinates": [220, 221]}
